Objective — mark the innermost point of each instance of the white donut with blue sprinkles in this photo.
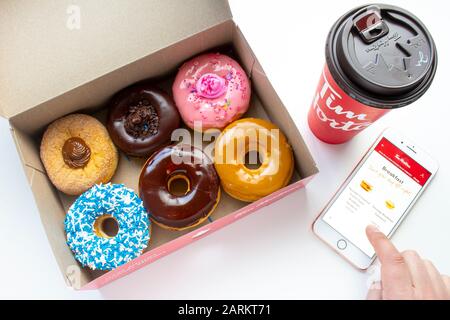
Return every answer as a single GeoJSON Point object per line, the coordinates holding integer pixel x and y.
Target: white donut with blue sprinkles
{"type": "Point", "coordinates": [99, 252]}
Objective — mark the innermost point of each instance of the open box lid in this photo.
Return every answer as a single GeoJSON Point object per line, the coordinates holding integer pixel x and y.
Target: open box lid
{"type": "Point", "coordinates": [50, 47]}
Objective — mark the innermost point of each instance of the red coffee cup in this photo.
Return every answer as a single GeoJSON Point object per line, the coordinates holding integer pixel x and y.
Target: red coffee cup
{"type": "Point", "coordinates": [378, 58]}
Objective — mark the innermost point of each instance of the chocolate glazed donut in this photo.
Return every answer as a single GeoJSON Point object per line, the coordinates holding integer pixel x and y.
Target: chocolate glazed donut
{"type": "Point", "coordinates": [141, 119]}
{"type": "Point", "coordinates": [193, 205]}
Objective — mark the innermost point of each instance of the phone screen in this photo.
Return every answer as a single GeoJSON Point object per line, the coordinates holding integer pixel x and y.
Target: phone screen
{"type": "Point", "coordinates": [380, 193]}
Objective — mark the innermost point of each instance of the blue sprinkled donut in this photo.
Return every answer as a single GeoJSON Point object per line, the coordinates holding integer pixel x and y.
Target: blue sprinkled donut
{"type": "Point", "coordinates": [93, 247]}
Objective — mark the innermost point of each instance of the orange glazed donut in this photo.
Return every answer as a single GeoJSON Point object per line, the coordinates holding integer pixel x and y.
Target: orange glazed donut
{"type": "Point", "coordinates": [247, 138]}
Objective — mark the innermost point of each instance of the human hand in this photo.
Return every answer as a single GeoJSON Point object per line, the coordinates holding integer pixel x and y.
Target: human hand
{"type": "Point", "coordinates": [405, 276]}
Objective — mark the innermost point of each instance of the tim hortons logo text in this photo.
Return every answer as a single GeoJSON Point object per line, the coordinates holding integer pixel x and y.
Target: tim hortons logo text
{"type": "Point", "coordinates": [329, 106]}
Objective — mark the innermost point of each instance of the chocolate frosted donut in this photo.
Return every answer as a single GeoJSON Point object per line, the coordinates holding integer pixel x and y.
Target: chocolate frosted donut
{"type": "Point", "coordinates": [179, 187]}
{"type": "Point", "coordinates": [142, 119]}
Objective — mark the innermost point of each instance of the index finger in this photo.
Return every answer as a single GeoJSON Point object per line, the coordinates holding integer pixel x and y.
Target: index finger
{"type": "Point", "coordinates": [395, 274]}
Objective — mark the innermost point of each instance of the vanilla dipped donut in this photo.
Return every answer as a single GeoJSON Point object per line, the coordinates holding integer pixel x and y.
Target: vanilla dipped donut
{"type": "Point", "coordinates": [211, 89]}
{"type": "Point", "coordinates": [276, 161]}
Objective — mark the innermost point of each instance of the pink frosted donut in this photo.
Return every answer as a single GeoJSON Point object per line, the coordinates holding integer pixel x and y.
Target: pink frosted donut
{"type": "Point", "coordinates": [212, 89]}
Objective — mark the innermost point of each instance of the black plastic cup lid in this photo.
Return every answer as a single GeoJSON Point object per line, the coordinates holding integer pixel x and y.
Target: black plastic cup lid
{"type": "Point", "coordinates": [382, 55]}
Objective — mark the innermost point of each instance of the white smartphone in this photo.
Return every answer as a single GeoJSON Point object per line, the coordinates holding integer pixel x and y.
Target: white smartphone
{"type": "Point", "coordinates": [380, 191]}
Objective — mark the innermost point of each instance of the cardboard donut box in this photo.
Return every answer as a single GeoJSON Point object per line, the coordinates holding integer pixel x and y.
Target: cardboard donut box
{"type": "Point", "coordinates": [63, 58]}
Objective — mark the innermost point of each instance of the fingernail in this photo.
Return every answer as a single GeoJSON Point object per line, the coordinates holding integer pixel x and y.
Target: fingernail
{"type": "Point", "coordinates": [372, 228]}
{"type": "Point", "coordinates": [376, 285]}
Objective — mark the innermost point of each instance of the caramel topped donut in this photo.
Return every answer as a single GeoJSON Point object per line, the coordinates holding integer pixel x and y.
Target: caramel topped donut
{"type": "Point", "coordinates": [142, 119]}
{"type": "Point", "coordinates": [179, 187]}
{"type": "Point", "coordinates": [253, 180]}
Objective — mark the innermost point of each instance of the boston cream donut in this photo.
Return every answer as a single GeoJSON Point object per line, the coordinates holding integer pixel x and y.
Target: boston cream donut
{"type": "Point", "coordinates": [253, 159]}
{"type": "Point", "coordinates": [141, 119]}
{"type": "Point", "coordinates": [179, 187]}
{"type": "Point", "coordinates": [212, 89]}
{"type": "Point", "coordinates": [78, 153]}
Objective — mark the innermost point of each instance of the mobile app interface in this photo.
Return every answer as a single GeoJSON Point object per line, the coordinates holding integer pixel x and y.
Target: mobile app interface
{"type": "Point", "coordinates": [379, 194]}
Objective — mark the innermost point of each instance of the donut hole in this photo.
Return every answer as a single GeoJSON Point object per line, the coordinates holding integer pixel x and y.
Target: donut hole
{"type": "Point", "coordinates": [179, 185]}
{"type": "Point", "coordinates": [253, 160]}
{"type": "Point", "coordinates": [106, 226]}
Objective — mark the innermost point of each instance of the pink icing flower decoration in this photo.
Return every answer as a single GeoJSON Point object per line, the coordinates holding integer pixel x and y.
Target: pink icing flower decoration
{"type": "Point", "coordinates": [211, 86]}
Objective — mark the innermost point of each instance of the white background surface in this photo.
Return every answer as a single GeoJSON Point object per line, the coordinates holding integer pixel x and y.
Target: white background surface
{"type": "Point", "coordinates": [271, 254]}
